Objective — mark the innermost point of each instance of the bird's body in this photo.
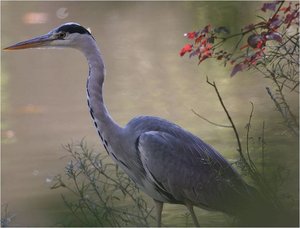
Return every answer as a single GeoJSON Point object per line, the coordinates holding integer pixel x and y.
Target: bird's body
{"type": "Point", "coordinates": [182, 168]}
{"type": "Point", "coordinates": [167, 162]}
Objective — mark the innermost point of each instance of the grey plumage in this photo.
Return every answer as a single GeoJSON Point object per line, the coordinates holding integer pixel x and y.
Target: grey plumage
{"type": "Point", "coordinates": [182, 167]}
{"type": "Point", "coordinates": [167, 162]}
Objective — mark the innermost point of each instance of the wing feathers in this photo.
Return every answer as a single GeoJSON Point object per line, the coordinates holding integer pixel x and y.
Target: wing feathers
{"type": "Point", "coordinates": [190, 171]}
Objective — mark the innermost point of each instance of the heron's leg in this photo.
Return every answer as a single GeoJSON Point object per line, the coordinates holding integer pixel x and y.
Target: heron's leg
{"type": "Point", "coordinates": [159, 208]}
{"type": "Point", "coordinates": [191, 209]}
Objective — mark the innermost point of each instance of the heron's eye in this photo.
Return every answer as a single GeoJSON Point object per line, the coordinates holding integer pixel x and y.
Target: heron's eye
{"type": "Point", "coordinates": [61, 35]}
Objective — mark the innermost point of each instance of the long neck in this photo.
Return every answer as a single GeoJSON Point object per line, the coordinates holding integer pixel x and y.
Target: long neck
{"type": "Point", "coordinates": [105, 125]}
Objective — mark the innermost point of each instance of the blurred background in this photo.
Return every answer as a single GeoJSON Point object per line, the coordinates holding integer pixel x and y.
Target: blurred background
{"type": "Point", "coordinates": [44, 99]}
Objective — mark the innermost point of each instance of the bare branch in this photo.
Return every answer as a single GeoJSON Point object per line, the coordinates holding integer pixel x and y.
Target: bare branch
{"type": "Point", "coordinates": [213, 123]}
{"type": "Point", "coordinates": [263, 149]}
{"type": "Point", "coordinates": [248, 126]}
{"type": "Point", "coordinates": [240, 151]}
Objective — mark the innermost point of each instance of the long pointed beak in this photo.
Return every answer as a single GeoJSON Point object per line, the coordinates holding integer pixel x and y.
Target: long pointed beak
{"type": "Point", "coordinates": [36, 42]}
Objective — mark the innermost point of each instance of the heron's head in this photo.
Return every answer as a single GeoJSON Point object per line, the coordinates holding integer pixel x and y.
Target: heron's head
{"type": "Point", "coordinates": [67, 35]}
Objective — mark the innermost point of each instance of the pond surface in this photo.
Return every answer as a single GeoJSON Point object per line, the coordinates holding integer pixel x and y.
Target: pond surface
{"type": "Point", "coordinates": [44, 98]}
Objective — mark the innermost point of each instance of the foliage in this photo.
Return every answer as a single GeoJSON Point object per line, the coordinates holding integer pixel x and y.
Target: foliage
{"type": "Point", "coordinates": [271, 207]}
{"type": "Point", "coordinates": [270, 46]}
{"type": "Point", "coordinates": [6, 216]}
{"type": "Point", "coordinates": [104, 195]}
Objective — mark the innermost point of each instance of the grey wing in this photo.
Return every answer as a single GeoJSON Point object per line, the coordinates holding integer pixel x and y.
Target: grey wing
{"type": "Point", "coordinates": [189, 172]}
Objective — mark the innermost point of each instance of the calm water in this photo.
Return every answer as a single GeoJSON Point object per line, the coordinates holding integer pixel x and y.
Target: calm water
{"type": "Point", "coordinates": [44, 100]}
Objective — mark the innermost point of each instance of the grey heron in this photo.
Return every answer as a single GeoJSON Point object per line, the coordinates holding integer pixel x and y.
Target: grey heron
{"type": "Point", "coordinates": [168, 163]}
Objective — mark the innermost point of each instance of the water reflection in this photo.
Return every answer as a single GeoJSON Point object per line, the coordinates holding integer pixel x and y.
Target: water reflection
{"type": "Point", "coordinates": [140, 42]}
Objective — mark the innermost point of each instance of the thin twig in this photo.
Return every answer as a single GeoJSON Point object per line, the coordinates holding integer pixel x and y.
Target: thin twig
{"type": "Point", "coordinates": [248, 126]}
{"type": "Point", "coordinates": [263, 149]}
{"type": "Point", "coordinates": [213, 123]}
{"type": "Point", "coordinates": [282, 112]}
{"type": "Point", "coordinates": [240, 151]}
